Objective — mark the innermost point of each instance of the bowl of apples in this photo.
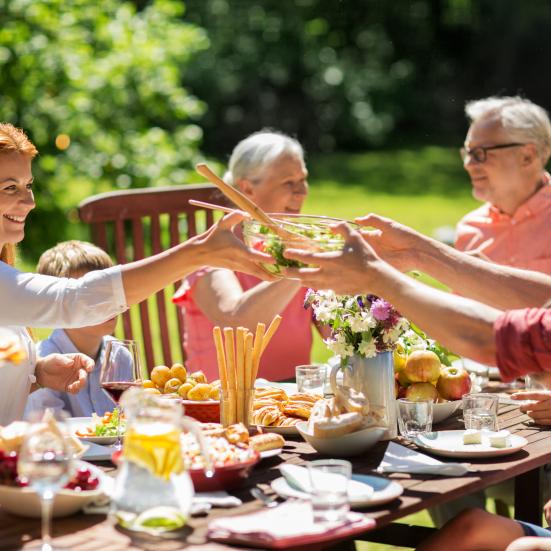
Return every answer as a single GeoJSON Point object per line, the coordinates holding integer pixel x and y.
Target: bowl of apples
{"type": "Point", "coordinates": [421, 376]}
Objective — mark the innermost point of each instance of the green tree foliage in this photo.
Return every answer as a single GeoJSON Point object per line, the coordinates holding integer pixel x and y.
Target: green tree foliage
{"type": "Point", "coordinates": [358, 74]}
{"type": "Point", "coordinates": [107, 78]}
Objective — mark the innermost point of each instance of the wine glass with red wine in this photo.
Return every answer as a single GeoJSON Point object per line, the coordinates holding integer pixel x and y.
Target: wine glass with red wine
{"type": "Point", "coordinates": [121, 370]}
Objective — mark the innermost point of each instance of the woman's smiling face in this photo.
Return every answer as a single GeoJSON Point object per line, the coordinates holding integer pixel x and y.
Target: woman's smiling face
{"type": "Point", "coordinates": [16, 196]}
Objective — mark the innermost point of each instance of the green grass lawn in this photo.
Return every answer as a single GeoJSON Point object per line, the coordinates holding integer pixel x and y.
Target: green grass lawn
{"type": "Point", "coordinates": [425, 188]}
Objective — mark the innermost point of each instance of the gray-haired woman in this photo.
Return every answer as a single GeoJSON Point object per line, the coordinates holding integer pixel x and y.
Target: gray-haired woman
{"type": "Point", "coordinates": [269, 168]}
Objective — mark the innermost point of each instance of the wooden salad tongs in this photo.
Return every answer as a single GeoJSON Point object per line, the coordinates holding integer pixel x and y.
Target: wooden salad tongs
{"type": "Point", "coordinates": [244, 203]}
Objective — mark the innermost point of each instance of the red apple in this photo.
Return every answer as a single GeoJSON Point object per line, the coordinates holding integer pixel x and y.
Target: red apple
{"type": "Point", "coordinates": [422, 366]}
{"type": "Point", "coordinates": [418, 392]}
{"type": "Point", "coordinates": [453, 383]}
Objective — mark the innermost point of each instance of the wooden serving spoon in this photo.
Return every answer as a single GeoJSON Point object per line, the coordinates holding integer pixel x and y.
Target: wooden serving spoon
{"type": "Point", "coordinates": [244, 203]}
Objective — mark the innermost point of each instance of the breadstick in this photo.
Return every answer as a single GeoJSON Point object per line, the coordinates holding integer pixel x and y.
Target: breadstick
{"type": "Point", "coordinates": [240, 370]}
{"type": "Point", "coordinates": [270, 332]}
{"type": "Point", "coordinates": [249, 392]}
{"type": "Point", "coordinates": [257, 350]}
{"type": "Point", "coordinates": [221, 359]}
{"type": "Point", "coordinates": [229, 346]}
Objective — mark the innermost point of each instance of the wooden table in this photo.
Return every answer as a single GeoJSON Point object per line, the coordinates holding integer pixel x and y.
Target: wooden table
{"type": "Point", "coordinates": [88, 532]}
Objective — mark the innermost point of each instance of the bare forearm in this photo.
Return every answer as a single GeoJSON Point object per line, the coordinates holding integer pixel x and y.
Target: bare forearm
{"type": "Point", "coordinates": [144, 277]}
{"type": "Point", "coordinates": [224, 306]}
{"type": "Point", "coordinates": [500, 286]}
{"type": "Point", "coordinates": [461, 324]}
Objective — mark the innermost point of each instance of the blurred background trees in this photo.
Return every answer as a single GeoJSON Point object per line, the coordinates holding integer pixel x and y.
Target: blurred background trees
{"type": "Point", "coordinates": [131, 93]}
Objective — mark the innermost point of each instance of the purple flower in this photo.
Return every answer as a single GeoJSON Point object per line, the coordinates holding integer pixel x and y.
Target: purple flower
{"type": "Point", "coordinates": [360, 301]}
{"type": "Point", "coordinates": [380, 309]}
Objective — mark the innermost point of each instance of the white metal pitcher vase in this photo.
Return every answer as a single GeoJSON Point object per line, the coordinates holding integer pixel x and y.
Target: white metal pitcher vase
{"type": "Point", "coordinates": [374, 377]}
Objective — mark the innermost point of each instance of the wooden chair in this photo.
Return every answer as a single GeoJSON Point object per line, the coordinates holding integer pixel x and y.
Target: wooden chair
{"type": "Point", "coordinates": [134, 224]}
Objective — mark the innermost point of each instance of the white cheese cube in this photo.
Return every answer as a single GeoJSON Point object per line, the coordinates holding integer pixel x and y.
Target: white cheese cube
{"type": "Point", "coordinates": [501, 439]}
{"type": "Point", "coordinates": [471, 436]}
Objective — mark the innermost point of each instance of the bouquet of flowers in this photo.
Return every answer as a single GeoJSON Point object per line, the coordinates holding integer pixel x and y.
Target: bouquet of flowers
{"type": "Point", "coordinates": [361, 324]}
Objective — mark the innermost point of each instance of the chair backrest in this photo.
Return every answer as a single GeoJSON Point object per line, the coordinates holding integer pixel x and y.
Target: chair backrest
{"type": "Point", "coordinates": [134, 224]}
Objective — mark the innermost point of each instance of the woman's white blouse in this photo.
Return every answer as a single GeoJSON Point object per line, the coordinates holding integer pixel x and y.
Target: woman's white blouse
{"type": "Point", "coordinates": [15, 380]}
{"type": "Point", "coordinates": [35, 300]}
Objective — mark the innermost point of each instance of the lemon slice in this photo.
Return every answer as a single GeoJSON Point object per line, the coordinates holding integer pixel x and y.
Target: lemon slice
{"type": "Point", "coordinates": [155, 448]}
{"type": "Point", "coordinates": [160, 519]}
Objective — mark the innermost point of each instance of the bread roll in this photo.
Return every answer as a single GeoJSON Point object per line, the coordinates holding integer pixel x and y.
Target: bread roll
{"type": "Point", "coordinates": [267, 441]}
{"type": "Point", "coordinates": [237, 433]}
{"type": "Point", "coordinates": [332, 427]}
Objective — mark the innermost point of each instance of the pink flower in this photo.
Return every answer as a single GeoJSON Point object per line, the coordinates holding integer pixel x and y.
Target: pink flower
{"type": "Point", "coordinates": [380, 309]}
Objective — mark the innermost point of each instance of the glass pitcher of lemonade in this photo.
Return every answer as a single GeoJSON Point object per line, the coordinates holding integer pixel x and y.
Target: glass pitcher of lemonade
{"type": "Point", "coordinates": [153, 492]}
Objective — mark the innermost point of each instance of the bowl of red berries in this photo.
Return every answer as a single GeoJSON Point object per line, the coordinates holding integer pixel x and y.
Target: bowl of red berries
{"type": "Point", "coordinates": [86, 484]}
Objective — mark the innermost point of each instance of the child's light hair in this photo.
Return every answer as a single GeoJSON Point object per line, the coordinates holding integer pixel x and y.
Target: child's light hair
{"type": "Point", "coordinates": [71, 257]}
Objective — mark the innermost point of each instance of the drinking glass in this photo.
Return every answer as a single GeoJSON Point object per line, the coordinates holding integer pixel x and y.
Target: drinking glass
{"type": "Point", "coordinates": [414, 418]}
{"type": "Point", "coordinates": [310, 378]}
{"type": "Point", "coordinates": [329, 489]}
{"type": "Point", "coordinates": [44, 463]}
{"type": "Point", "coordinates": [480, 411]}
{"type": "Point", "coordinates": [121, 370]}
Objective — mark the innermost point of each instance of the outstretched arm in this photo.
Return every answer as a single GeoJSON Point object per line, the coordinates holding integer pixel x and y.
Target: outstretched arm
{"type": "Point", "coordinates": [500, 286]}
{"type": "Point", "coordinates": [461, 324]}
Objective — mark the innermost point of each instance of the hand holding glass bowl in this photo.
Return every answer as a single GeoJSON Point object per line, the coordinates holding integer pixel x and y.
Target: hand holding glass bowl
{"type": "Point", "coordinates": [313, 234]}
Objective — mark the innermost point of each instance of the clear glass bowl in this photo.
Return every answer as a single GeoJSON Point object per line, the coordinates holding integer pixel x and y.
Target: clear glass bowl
{"type": "Point", "coordinates": [316, 228]}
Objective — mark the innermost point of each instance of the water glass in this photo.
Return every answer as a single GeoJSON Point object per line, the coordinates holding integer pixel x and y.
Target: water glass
{"type": "Point", "coordinates": [480, 411]}
{"type": "Point", "coordinates": [329, 489]}
{"type": "Point", "coordinates": [414, 418]}
{"type": "Point", "coordinates": [537, 381]}
{"type": "Point", "coordinates": [310, 378]}
{"type": "Point", "coordinates": [44, 463]}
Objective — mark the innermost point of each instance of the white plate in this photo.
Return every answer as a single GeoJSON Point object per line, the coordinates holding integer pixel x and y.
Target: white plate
{"type": "Point", "coordinates": [26, 503]}
{"type": "Point", "coordinates": [384, 490]}
{"type": "Point", "coordinates": [449, 443]}
{"type": "Point", "coordinates": [284, 431]}
{"type": "Point", "coordinates": [81, 423]}
{"type": "Point", "coordinates": [270, 453]}
{"type": "Point", "coordinates": [289, 388]}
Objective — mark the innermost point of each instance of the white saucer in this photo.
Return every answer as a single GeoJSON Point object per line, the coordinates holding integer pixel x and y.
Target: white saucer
{"type": "Point", "coordinates": [270, 453]}
{"type": "Point", "coordinates": [384, 490]}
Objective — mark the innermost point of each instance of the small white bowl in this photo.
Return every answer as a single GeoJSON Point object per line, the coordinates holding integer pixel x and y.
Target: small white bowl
{"type": "Point", "coordinates": [350, 444]}
{"type": "Point", "coordinates": [443, 410]}
{"type": "Point", "coordinates": [26, 503]}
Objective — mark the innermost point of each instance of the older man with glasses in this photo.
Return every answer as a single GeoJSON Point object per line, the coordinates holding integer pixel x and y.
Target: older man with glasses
{"type": "Point", "coordinates": [507, 147]}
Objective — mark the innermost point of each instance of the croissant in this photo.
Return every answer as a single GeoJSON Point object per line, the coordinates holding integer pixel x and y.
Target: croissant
{"type": "Point", "coordinates": [266, 415]}
{"type": "Point", "coordinates": [271, 392]}
{"type": "Point", "coordinates": [297, 410]}
{"type": "Point", "coordinates": [257, 404]}
{"type": "Point", "coordinates": [288, 421]}
{"type": "Point", "coordinates": [303, 397]}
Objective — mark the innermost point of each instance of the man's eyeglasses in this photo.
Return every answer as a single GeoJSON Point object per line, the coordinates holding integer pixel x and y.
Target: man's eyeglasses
{"type": "Point", "coordinates": [479, 154]}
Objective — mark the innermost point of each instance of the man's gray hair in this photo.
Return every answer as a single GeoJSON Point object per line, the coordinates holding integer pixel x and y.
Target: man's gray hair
{"type": "Point", "coordinates": [524, 121]}
{"type": "Point", "coordinates": [251, 155]}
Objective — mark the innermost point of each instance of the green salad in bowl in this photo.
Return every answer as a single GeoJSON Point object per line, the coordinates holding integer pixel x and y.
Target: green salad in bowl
{"type": "Point", "coordinates": [313, 234]}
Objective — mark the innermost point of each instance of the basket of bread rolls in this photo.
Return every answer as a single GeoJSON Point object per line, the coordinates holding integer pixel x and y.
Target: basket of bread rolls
{"type": "Point", "coordinates": [344, 425]}
{"type": "Point", "coordinates": [201, 399]}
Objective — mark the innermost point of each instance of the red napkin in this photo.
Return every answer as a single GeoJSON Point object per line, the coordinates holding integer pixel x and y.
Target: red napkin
{"type": "Point", "coordinates": [288, 525]}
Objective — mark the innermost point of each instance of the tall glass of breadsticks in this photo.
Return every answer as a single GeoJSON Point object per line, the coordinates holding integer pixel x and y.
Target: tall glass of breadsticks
{"type": "Point", "coordinates": [238, 354]}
